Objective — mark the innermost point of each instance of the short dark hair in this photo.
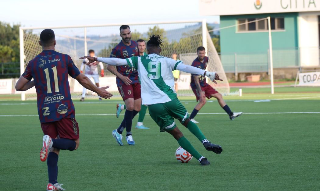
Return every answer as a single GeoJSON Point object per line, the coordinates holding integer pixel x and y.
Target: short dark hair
{"type": "Point", "coordinates": [122, 27]}
{"type": "Point", "coordinates": [140, 40]}
{"type": "Point", "coordinates": [47, 37]}
{"type": "Point", "coordinates": [91, 51]}
{"type": "Point", "coordinates": [200, 48]}
{"type": "Point", "coordinates": [154, 41]}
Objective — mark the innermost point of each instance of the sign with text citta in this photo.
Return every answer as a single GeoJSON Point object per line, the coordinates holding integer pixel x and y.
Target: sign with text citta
{"type": "Point", "coordinates": [243, 7]}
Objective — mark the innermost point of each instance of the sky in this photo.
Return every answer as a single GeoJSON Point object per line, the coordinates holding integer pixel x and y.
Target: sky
{"type": "Point", "coordinates": [38, 13]}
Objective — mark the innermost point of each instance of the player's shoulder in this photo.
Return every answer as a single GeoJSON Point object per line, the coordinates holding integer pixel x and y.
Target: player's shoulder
{"type": "Point", "coordinates": [134, 43]}
{"type": "Point", "coordinates": [196, 61]}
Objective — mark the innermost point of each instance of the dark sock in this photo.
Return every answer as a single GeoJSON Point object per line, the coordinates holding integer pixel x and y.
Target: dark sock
{"type": "Point", "coordinates": [194, 113]}
{"type": "Point", "coordinates": [142, 113]}
{"type": "Point", "coordinates": [228, 110]}
{"type": "Point", "coordinates": [194, 129]}
{"type": "Point", "coordinates": [52, 162]}
{"type": "Point", "coordinates": [64, 144]}
{"type": "Point", "coordinates": [184, 143]}
{"type": "Point", "coordinates": [134, 113]}
{"type": "Point", "coordinates": [128, 121]}
{"type": "Point", "coordinates": [122, 126]}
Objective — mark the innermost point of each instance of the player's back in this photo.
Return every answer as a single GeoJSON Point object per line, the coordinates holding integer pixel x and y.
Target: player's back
{"type": "Point", "coordinates": [50, 71]}
{"type": "Point", "coordinates": [157, 82]}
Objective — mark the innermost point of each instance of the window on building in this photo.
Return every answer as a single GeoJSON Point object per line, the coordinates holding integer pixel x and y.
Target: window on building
{"type": "Point", "coordinates": [242, 25]}
{"type": "Point", "coordinates": [253, 24]}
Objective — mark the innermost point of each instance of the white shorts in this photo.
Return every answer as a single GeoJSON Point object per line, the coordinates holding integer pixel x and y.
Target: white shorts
{"type": "Point", "coordinates": [95, 77]}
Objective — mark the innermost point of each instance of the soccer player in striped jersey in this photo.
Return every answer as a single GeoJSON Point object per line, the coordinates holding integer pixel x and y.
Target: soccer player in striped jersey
{"type": "Point", "coordinates": [49, 71]}
{"type": "Point", "coordinates": [143, 111]}
{"type": "Point", "coordinates": [128, 84]}
{"type": "Point", "coordinates": [202, 90]}
{"type": "Point", "coordinates": [91, 71]}
{"type": "Point", "coordinates": [155, 73]}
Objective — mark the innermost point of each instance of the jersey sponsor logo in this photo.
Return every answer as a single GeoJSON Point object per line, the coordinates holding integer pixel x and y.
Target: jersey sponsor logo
{"type": "Point", "coordinates": [54, 60]}
{"type": "Point", "coordinates": [53, 99]}
{"type": "Point", "coordinates": [62, 109]}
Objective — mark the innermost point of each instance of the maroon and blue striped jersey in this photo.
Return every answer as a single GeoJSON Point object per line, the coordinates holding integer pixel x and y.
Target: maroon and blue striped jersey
{"type": "Point", "coordinates": [124, 51]}
{"type": "Point", "coordinates": [50, 70]}
{"type": "Point", "coordinates": [202, 65]}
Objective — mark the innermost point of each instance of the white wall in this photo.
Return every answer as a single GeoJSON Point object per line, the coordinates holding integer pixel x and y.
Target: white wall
{"type": "Point", "coordinates": [308, 32]}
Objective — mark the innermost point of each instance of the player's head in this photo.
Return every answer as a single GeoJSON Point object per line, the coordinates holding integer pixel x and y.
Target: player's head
{"type": "Point", "coordinates": [141, 45]}
{"type": "Point", "coordinates": [125, 33]}
{"type": "Point", "coordinates": [174, 56]}
{"type": "Point", "coordinates": [154, 44]}
{"type": "Point", "coordinates": [91, 53]}
{"type": "Point", "coordinates": [201, 52]}
{"type": "Point", "coordinates": [47, 38]}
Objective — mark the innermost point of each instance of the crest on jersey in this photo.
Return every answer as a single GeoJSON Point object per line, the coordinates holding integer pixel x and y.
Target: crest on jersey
{"type": "Point", "coordinates": [129, 92]}
{"type": "Point", "coordinates": [62, 109]}
{"type": "Point", "coordinates": [125, 53]}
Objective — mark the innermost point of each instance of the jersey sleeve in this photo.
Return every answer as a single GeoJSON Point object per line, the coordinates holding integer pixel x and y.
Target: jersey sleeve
{"type": "Point", "coordinates": [173, 63]}
{"type": "Point", "coordinates": [73, 71]}
{"type": "Point", "coordinates": [27, 74]}
{"type": "Point", "coordinates": [133, 62]}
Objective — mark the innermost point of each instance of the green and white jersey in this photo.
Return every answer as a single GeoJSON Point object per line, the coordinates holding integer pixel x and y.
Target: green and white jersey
{"type": "Point", "coordinates": [155, 73]}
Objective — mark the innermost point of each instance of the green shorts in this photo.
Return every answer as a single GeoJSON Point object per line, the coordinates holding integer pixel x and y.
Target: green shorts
{"type": "Point", "coordinates": [164, 113]}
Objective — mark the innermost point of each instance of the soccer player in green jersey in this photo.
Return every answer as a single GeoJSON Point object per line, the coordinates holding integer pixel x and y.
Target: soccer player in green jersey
{"type": "Point", "coordinates": [157, 91]}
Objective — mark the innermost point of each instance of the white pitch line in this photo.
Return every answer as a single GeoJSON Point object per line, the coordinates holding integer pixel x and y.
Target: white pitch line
{"type": "Point", "coordinates": [109, 114]}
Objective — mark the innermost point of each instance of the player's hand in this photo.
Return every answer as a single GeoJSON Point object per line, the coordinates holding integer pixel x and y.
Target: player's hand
{"type": "Point", "coordinates": [213, 76]}
{"type": "Point", "coordinates": [104, 93]}
{"type": "Point", "coordinates": [126, 80]}
{"type": "Point", "coordinates": [91, 59]}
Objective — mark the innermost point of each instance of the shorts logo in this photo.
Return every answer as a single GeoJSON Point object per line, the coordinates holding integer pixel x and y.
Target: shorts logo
{"type": "Point", "coordinates": [121, 91]}
{"type": "Point", "coordinates": [62, 109]}
{"type": "Point", "coordinates": [74, 126]}
{"type": "Point", "coordinates": [129, 92]}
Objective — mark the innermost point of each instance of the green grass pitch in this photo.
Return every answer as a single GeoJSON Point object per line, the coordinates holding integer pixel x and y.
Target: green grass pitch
{"type": "Point", "coordinates": [267, 148]}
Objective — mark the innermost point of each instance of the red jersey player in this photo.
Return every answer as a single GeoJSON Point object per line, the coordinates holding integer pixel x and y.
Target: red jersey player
{"type": "Point", "coordinates": [50, 70]}
{"type": "Point", "coordinates": [202, 90]}
{"type": "Point", "coordinates": [127, 82]}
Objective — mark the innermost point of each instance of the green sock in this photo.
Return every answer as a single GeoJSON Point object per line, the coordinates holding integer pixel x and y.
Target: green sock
{"type": "Point", "coordinates": [194, 129]}
{"type": "Point", "coordinates": [142, 113]}
{"type": "Point", "coordinates": [184, 143]}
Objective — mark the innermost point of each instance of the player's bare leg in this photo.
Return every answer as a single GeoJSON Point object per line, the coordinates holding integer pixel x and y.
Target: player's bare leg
{"type": "Point", "coordinates": [222, 103]}
{"type": "Point", "coordinates": [185, 144]}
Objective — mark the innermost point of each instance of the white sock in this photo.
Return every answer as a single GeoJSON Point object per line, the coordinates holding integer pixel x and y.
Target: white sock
{"type": "Point", "coordinates": [205, 141]}
{"type": "Point", "coordinates": [84, 91]}
{"type": "Point", "coordinates": [201, 158]}
{"type": "Point", "coordinates": [122, 107]}
{"type": "Point", "coordinates": [139, 123]}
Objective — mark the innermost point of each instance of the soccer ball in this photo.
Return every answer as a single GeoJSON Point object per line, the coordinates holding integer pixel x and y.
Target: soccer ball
{"type": "Point", "coordinates": [183, 156]}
